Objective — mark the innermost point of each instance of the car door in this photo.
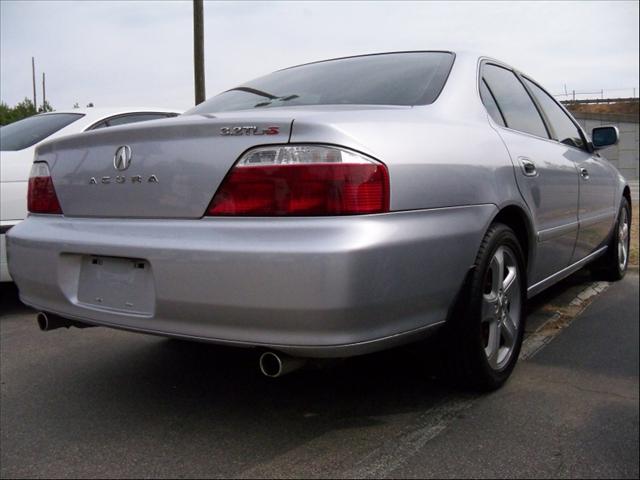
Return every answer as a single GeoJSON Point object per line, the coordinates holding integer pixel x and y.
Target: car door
{"type": "Point", "coordinates": [546, 170]}
{"type": "Point", "coordinates": [596, 206]}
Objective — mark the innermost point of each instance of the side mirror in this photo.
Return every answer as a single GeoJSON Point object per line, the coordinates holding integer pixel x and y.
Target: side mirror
{"type": "Point", "coordinates": [604, 136]}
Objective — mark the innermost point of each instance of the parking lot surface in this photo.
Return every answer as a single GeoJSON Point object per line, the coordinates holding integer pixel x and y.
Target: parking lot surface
{"type": "Point", "coordinates": [104, 403]}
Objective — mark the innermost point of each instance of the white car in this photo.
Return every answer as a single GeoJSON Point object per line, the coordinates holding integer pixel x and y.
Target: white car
{"type": "Point", "coordinates": [19, 140]}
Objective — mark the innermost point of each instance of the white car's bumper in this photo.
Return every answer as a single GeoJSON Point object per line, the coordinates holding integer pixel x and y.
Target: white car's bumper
{"type": "Point", "coordinates": [4, 269]}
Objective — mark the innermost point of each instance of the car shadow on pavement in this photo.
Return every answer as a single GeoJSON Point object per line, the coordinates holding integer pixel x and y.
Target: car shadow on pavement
{"type": "Point", "coordinates": [147, 401]}
{"type": "Point", "coordinates": [9, 300]}
{"type": "Point", "coordinates": [210, 377]}
{"type": "Point", "coordinates": [397, 379]}
{"type": "Point", "coordinates": [391, 382]}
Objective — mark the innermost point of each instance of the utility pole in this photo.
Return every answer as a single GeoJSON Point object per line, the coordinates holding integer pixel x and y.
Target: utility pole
{"type": "Point", "coordinates": [33, 78]}
{"type": "Point", "coordinates": [198, 50]}
{"type": "Point", "coordinates": [44, 94]}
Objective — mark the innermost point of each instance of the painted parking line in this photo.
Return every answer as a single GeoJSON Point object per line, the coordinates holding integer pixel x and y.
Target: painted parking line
{"type": "Point", "coordinates": [393, 453]}
{"type": "Point", "coordinates": [546, 332]}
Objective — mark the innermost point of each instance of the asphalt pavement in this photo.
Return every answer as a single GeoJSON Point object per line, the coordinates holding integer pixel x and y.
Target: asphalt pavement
{"type": "Point", "coordinates": [104, 403]}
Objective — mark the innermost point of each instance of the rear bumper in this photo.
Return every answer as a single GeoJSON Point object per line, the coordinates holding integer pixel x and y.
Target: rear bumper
{"type": "Point", "coordinates": [319, 287]}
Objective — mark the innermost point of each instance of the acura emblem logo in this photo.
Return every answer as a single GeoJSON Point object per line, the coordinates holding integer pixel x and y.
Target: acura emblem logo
{"type": "Point", "coordinates": [122, 158]}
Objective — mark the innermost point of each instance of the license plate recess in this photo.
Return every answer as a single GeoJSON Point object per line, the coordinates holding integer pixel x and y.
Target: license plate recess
{"type": "Point", "coordinates": [113, 283]}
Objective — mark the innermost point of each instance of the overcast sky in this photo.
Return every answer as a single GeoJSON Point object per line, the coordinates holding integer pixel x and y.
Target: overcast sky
{"type": "Point", "coordinates": [141, 53]}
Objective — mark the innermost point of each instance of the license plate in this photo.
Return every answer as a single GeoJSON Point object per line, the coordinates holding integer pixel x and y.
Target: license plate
{"type": "Point", "coordinates": [121, 284]}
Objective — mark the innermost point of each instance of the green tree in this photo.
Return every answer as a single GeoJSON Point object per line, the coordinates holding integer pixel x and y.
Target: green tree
{"type": "Point", "coordinates": [46, 107]}
{"type": "Point", "coordinates": [22, 110]}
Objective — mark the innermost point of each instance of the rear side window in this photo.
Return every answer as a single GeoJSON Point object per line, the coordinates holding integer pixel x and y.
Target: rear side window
{"type": "Point", "coordinates": [490, 104]}
{"type": "Point", "coordinates": [29, 131]}
{"type": "Point", "coordinates": [99, 125]}
{"type": "Point", "coordinates": [135, 118]}
{"type": "Point", "coordinates": [517, 108]}
{"type": "Point", "coordinates": [564, 130]}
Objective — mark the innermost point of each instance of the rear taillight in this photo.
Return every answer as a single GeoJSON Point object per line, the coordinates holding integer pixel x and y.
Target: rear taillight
{"type": "Point", "coordinates": [42, 197]}
{"type": "Point", "coordinates": [302, 180]}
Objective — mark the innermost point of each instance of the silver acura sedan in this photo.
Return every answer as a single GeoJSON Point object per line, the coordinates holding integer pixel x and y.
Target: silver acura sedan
{"type": "Point", "coordinates": [329, 210]}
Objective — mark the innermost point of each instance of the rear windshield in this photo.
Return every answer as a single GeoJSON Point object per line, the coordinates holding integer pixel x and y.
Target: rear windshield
{"type": "Point", "coordinates": [411, 78]}
{"type": "Point", "coordinates": [29, 131]}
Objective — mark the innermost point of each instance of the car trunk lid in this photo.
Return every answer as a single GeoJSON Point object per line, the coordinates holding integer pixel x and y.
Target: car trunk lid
{"type": "Point", "coordinates": [173, 170]}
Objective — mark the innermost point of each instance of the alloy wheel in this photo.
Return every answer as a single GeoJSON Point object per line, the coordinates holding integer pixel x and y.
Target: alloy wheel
{"type": "Point", "coordinates": [501, 307]}
{"type": "Point", "coordinates": [623, 239]}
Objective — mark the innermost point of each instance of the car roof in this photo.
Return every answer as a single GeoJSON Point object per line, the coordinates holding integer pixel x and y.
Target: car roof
{"type": "Point", "coordinates": [467, 55]}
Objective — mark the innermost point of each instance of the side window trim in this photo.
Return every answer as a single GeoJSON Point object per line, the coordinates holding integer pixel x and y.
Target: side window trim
{"type": "Point", "coordinates": [510, 69]}
{"type": "Point", "coordinates": [564, 110]}
{"type": "Point", "coordinates": [543, 117]}
{"type": "Point", "coordinates": [535, 103]}
{"type": "Point", "coordinates": [547, 124]}
{"type": "Point", "coordinates": [504, 120]}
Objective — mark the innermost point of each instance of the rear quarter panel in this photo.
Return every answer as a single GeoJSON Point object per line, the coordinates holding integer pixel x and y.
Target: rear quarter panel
{"type": "Point", "coordinates": [433, 161]}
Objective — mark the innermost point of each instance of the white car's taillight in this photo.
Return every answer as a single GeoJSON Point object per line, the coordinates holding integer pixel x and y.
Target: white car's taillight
{"type": "Point", "coordinates": [302, 180]}
{"type": "Point", "coordinates": [41, 197]}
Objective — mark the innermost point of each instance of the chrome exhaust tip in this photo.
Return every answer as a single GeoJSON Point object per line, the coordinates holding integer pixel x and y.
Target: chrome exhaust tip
{"type": "Point", "coordinates": [43, 321]}
{"type": "Point", "coordinates": [49, 321]}
{"type": "Point", "coordinates": [275, 365]}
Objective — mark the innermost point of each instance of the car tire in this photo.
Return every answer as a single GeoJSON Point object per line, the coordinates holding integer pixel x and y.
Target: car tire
{"type": "Point", "coordinates": [613, 264]}
{"type": "Point", "coordinates": [484, 332]}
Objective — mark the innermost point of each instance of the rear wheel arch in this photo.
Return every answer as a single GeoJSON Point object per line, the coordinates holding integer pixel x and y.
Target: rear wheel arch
{"type": "Point", "coordinates": [462, 349]}
{"type": "Point", "coordinates": [613, 265]}
{"type": "Point", "coordinates": [626, 193]}
{"type": "Point", "coordinates": [517, 219]}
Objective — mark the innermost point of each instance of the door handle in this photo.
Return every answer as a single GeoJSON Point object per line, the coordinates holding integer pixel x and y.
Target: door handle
{"type": "Point", "coordinates": [528, 167]}
{"type": "Point", "coordinates": [584, 173]}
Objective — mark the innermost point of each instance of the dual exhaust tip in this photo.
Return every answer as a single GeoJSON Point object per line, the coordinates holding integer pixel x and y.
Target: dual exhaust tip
{"type": "Point", "coordinates": [272, 364]}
